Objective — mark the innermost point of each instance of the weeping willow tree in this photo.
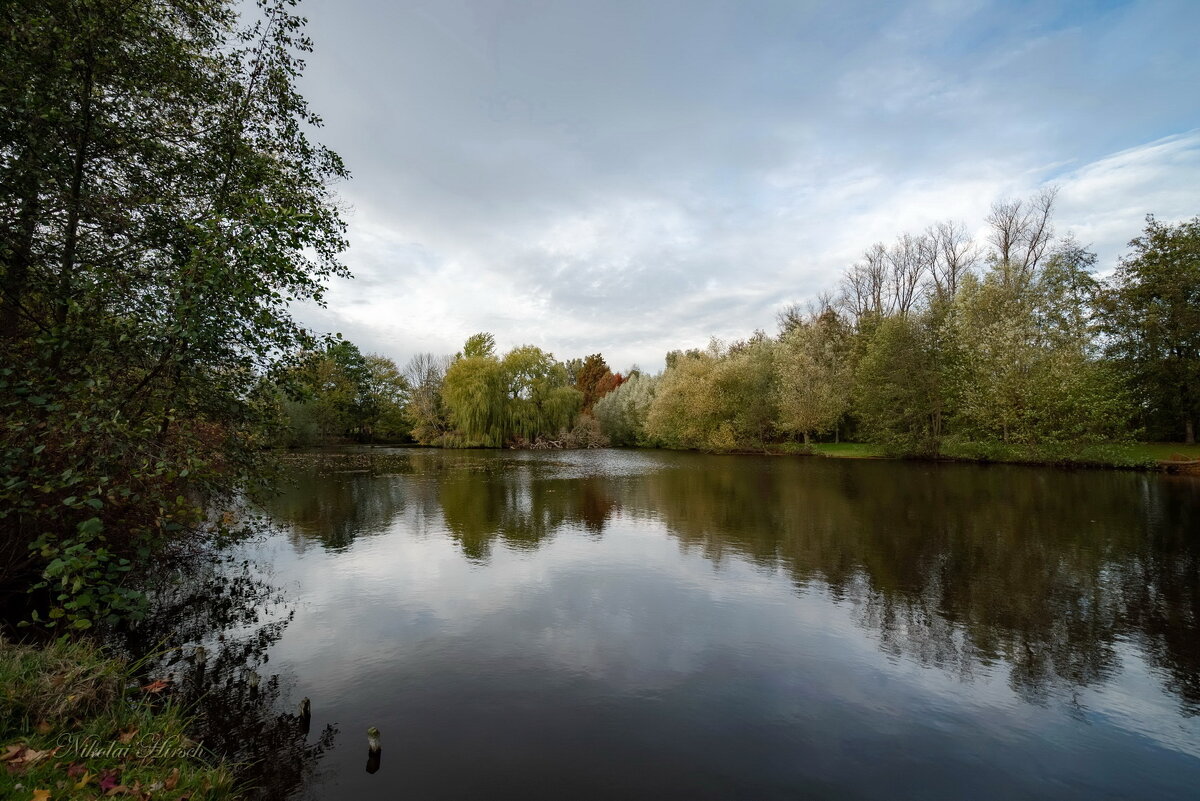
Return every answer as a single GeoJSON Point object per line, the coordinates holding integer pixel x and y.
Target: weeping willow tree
{"type": "Point", "coordinates": [540, 399]}
{"type": "Point", "coordinates": [492, 401]}
{"type": "Point", "coordinates": [474, 394]}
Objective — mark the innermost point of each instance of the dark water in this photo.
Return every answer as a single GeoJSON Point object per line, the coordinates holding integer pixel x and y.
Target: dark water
{"type": "Point", "coordinates": [658, 625]}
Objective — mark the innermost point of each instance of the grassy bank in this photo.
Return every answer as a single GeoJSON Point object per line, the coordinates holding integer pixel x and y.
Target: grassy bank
{"type": "Point", "coordinates": [1138, 455]}
{"type": "Point", "coordinates": [73, 725]}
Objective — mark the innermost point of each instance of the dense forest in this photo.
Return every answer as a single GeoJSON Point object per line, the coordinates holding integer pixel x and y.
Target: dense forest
{"type": "Point", "coordinates": [932, 344]}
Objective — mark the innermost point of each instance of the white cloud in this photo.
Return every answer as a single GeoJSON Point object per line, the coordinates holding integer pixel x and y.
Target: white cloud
{"type": "Point", "coordinates": [630, 180]}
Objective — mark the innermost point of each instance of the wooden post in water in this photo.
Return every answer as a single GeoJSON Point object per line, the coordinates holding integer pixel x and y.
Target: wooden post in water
{"type": "Point", "coordinates": [199, 658]}
{"type": "Point", "coordinates": [374, 751]}
{"type": "Point", "coordinates": [305, 715]}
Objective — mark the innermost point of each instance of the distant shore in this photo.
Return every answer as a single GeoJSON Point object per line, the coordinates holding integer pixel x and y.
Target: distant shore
{"type": "Point", "coordinates": [1170, 457]}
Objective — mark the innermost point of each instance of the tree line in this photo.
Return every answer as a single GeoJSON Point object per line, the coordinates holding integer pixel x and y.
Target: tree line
{"type": "Point", "coordinates": [932, 342]}
{"type": "Point", "coordinates": [937, 341]}
{"type": "Point", "coordinates": [477, 398]}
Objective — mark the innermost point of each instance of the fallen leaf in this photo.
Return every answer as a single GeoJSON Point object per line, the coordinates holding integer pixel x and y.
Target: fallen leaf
{"type": "Point", "coordinates": [41, 795]}
{"type": "Point", "coordinates": [120, 789]}
{"type": "Point", "coordinates": [172, 780]}
{"type": "Point", "coordinates": [127, 735]}
{"type": "Point", "coordinates": [83, 782]}
{"type": "Point", "coordinates": [108, 780]}
{"type": "Point", "coordinates": [76, 770]}
{"type": "Point", "coordinates": [156, 686]}
{"type": "Point", "coordinates": [26, 756]}
{"type": "Point", "coordinates": [44, 727]}
{"type": "Point", "coordinates": [10, 751]}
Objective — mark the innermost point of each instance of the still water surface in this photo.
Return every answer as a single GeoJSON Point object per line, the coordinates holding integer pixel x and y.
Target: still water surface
{"type": "Point", "coordinates": [625, 624]}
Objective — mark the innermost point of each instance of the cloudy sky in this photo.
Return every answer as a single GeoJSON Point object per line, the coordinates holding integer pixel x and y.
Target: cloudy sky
{"type": "Point", "coordinates": [632, 177]}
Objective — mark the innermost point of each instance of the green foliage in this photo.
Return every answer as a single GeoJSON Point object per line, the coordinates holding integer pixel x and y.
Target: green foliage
{"type": "Point", "coordinates": [1029, 376]}
{"type": "Point", "coordinates": [481, 345]}
{"type": "Point", "coordinates": [344, 394]}
{"type": "Point", "coordinates": [85, 580]}
{"type": "Point", "coordinates": [476, 399]}
{"type": "Point", "coordinates": [540, 399]}
{"type": "Point", "coordinates": [746, 386]}
{"type": "Point", "coordinates": [896, 391]}
{"type": "Point", "coordinates": [622, 413]}
{"type": "Point", "coordinates": [1151, 318]}
{"type": "Point", "coordinates": [163, 205]}
{"type": "Point", "coordinates": [815, 373]}
{"type": "Point", "coordinates": [492, 402]}
{"type": "Point", "coordinates": [683, 412]}
{"type": "Point", "coordinates": [716, 399]}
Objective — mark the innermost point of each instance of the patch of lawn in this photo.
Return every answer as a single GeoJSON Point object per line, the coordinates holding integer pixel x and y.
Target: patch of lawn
{"type": "Point", "coordinates": [1124, 454]}
{"type": "Point", "coordinates": [74, 726]}
{"type": "Point", "coordinates": [848, 450]}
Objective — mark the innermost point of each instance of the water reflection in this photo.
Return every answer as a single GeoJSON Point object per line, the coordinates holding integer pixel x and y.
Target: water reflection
{"type": "Point", "coordinates": [1044, 573]}
{"type": "Point", "coordinates": [209, 631]}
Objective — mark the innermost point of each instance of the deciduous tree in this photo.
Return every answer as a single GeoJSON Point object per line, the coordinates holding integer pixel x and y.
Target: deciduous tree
{"type": "Point", "coordinates": [1152, 321]}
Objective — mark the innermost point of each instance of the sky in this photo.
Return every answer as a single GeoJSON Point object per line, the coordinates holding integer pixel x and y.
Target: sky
{"type": "Point", "coordinates": [634, 177]}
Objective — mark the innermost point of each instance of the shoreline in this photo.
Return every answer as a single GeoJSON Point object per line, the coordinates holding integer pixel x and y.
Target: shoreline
{"type": "Point", "coordinates": [1161, 457]}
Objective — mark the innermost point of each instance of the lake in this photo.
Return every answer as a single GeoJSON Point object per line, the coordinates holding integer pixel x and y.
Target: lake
{"type": "Point", "coordinates": [645, 624]}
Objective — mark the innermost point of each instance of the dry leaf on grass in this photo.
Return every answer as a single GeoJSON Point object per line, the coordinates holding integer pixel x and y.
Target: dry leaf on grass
{"type": "Point", "coordinates": [21, 756]}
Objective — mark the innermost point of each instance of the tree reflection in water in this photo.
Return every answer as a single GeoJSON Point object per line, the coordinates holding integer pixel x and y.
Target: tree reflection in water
{"type": "Point", "coordinates": [1046, 572]}
{"type": "Point", "coordinates": [224, 610]}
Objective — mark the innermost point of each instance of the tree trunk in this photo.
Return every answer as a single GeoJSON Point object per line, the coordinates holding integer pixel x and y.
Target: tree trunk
{"type": "Point", "coordinates": [1189, 436]}
{"type": "Point", "coordinates": [12, 283]}
{"type": "Point", "coordinates": [75, 203]}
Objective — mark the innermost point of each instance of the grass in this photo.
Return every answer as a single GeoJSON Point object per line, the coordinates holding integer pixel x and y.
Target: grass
{"type": "Point", "coordinates": [1127, 454]}
{"type": "Point", "coordinates": [848, 450]}
{"type": "Point", "coordinates": [1123, 454]}
{"type": "Point", "coordinates": [74, 726]}
{"type": "Point", "coordinates": [1158, 451]}
{"type": "Point", "coordinates": [843, 450]}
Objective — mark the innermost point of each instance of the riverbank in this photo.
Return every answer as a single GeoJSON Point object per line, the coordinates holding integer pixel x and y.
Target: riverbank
{"type": "Point", "coordinates": [1129, 455]}
{"type": "Point", "coordinates": [1164, 456]}
{"type": "Point", "coordinates": [74, 725]}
